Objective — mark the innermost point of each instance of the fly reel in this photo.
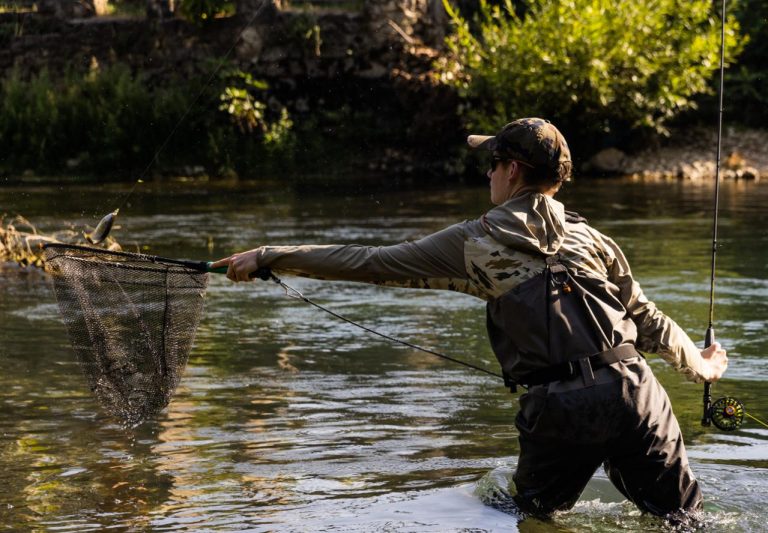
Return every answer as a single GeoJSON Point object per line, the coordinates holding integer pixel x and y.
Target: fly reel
{"type": "Point", "coordinates": [727, 414]}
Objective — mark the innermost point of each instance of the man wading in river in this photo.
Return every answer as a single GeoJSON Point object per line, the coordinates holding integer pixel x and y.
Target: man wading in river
{"type": "Point", "coordinates": [565, 319]}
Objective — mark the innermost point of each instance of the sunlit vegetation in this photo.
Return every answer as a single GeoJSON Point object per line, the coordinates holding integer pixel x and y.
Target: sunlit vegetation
{"type": "Point", "coordinates": [243, 101]}
{"type": "Point", "coordinates": [602, 66]}
{"type": "Point", "coordinates": [18, 8]}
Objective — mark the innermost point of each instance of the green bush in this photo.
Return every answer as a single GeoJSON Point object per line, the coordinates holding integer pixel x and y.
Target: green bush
{"type": "Point", "coordinates": [596, 67]}
{"type": "Point", "coordinates": [106, 120]}
{"type": "Point", "coordinates": [243, 100]}
{"type": "Point", "coordinates": [114, 123]}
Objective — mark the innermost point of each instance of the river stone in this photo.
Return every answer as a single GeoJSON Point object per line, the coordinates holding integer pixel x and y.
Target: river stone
{"type": "Point", "coordinates": [608, 160]}
{"type": "Point", "coordinates": [750, 173]}
{"type": "Point", "coordinates": [746, 173]}
{"type": "Point", "coordinates": [688, 171]}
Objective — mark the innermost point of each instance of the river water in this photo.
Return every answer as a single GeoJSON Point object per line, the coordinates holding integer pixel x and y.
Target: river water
{"type": "Point", "coordinates": [289, 420]}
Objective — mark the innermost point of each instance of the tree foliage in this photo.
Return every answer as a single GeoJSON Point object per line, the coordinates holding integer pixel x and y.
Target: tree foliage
{"type": "Point", "coordinates": [596, 65]}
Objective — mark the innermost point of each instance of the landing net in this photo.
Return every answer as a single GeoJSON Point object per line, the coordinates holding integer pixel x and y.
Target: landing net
{"type": "Point", "coordinates": [131, 320]}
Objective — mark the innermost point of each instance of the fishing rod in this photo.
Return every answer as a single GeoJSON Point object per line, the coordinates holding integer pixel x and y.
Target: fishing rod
{"type": "Point", "coordinates": [726, 413]}
{"type": "Point", "coordinates": [101, 232]}
{"type": "Point", "coordinates": [709, 336]}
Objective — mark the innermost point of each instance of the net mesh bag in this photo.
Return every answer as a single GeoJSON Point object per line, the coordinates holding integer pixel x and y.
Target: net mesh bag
{"type": "Point", "coordinates": [131, 320]}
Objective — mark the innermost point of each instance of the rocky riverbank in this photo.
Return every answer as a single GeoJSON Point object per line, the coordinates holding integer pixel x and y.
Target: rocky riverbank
{"type": "Point", "coordinates": [690, 155]}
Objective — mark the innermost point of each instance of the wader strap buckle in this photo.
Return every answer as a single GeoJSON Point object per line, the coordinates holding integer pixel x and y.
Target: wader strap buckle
{"type": "Point", "coordinates": [587, 375]}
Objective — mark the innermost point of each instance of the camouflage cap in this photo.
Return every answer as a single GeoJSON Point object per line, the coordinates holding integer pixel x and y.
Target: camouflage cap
{"type": "Point", "coordinates": [534, 141]}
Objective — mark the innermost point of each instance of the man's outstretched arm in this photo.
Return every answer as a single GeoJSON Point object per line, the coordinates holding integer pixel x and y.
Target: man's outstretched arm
{"type": "Point", "coordinates": [435, 261]}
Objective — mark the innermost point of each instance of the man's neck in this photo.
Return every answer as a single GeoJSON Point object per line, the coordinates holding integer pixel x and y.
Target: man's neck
{"type": "Point", "coordinates": [528, 189]}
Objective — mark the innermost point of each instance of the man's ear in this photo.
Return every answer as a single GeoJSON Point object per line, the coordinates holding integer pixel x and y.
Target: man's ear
{"type": "Point", "coordinates": [512, 171]}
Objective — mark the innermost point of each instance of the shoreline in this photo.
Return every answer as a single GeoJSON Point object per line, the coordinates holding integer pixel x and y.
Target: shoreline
{"type": "Point", "coordinates": [688, 155]}
{"type": "Point", "coordinates": [691, 155]}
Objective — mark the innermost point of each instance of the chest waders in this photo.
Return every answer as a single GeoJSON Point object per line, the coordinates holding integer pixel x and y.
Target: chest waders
{"type": "Point", "coordinates": [559, 325]}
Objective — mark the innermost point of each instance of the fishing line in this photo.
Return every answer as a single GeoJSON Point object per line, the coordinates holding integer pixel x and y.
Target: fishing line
{"type": "Point", "coordinates": [291, 292]}
{"type": "Point", "coordinates": [189, 108]}
{"type": "Point", "coordinates": [765, 424]}
{"type": "Point", "coordinates": [97, 236]}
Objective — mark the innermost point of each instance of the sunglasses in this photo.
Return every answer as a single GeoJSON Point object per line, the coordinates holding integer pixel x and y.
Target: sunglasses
{"type": "Point", "coordinates": [495, 162]}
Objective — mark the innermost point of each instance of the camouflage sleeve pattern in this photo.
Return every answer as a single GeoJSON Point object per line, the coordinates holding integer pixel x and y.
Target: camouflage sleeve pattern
{"type": "Point", "coordinates": [494, 269]}
{"type": "Point", "coordinates": [446, 284]}
{"type": "Point", "coordinates": [657, 333]}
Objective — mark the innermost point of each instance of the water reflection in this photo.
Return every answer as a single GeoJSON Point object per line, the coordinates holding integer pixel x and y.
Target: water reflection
{"type": "Point", "coordinates": [289, 420]}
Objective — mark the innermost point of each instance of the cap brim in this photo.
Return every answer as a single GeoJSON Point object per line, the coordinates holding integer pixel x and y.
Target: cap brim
{"type": "Point", "coordinates": [481, 141]}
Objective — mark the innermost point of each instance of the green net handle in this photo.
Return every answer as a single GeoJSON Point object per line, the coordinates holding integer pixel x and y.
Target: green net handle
{"type": "Point", "coordinates": [219, 270]}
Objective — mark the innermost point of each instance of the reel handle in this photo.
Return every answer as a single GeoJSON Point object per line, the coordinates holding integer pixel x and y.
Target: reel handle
{"type": "Point", "coordinates": [263, 273]}
{"type": "Point", "coordinates": [706, 419]}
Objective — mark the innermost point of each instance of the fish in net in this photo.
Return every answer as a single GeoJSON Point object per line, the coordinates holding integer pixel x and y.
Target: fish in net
{"type": "Point", "coordinates": [131, 319]}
